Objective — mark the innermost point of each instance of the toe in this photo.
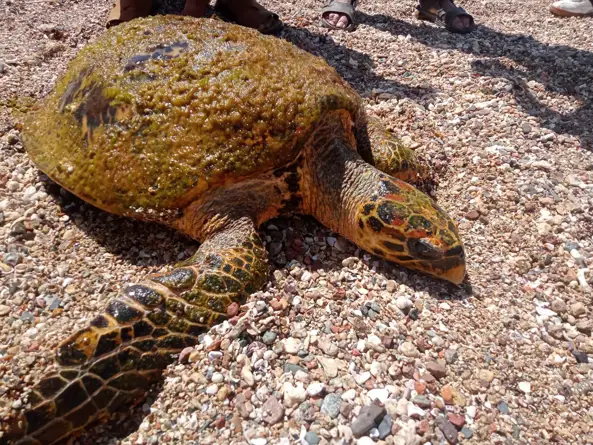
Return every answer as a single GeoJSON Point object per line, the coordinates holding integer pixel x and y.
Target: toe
{"type": "Point", "coordinates": [332, 18]}
{"type": "Point", "coordinates": [343, 22]}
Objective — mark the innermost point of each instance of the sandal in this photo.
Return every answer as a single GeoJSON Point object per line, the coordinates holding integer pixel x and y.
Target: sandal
{"type": "Point", "coordinates": [445, 19]}
{"type": "Point", "coordinates": [126, 10]}
{"type": "Point", "coordinates": [252, 15]}
{"type": "Point", "coordinates": [334, 6]}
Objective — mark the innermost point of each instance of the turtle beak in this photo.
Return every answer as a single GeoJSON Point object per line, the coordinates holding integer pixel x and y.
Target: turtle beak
{"type": "Point", "coordinates": [455, 274]}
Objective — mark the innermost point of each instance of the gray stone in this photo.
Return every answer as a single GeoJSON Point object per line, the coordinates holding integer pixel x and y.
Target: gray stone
{"type": "Point", "coordinates": [422, 401]}
{"type": "Point", "coordinates": [448, 429]}
{"type": "Point", "coordinates": [467, 433]}
{"type": "Point", "coordinates": [503, 407]}
{"type": "Point", "coordinates": [269, 337]}
{"type": "Point", "coordinates": [369, 417]}
{"type": "Point", "coordinates": [312, 438]}
{"type": "Point", "coordinates": [292, 368]}
{"type": "Point", "coordinates": [451, 355]}
{"type": "Point", "coordinates": [331, 405]}
{"type": "Point", "coordinates": [385, 426]}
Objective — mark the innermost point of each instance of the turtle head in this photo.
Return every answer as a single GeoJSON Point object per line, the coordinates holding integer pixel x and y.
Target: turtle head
{"type": "Point", "coordinates": [399, 223]}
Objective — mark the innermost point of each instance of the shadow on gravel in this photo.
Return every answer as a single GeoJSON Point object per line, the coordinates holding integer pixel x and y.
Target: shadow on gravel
{"type": "Point", "coordinates": [560, 69]}
{"type": "Point", "coordinates": [362, 77]}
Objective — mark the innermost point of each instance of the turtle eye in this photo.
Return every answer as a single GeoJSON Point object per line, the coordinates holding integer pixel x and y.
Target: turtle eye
{"type": "Point", "coordinates": [424, 249]}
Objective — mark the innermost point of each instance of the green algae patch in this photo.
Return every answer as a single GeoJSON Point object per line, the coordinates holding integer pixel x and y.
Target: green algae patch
{"type": "Point", "coordinates": [158, 110]}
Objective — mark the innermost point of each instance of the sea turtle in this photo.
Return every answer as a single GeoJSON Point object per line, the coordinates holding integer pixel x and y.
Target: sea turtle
{"type": "Point", "coordinates": [211, 129]}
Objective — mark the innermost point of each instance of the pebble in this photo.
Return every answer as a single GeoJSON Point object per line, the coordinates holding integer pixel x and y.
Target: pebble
{"type": "Point", "coordinates": [293, 395]}
{"type": "Point", "coordinates": [414, 411]}
{"type": "Point", "coordinates": [472, 215]}
{"type": "Point", "coordinates": [369, 417]}
{"type": "Point", "coordinates": [577, 309]}
{"type": "Point", "coordinates": [452, 396]}
{"type": "Point", "coordinates": [349, 395]}
{"type": "Point", "coordinates": [404, 304]}
{"type": "Point", "coordinates": [380, 394]}
{"type": "Point", "coordinates": [457, 420]}
{"type": "Point", "coordinates": [451, 356]}
{"type": "Point", "coordinates": [438, 370]}
{"type": "Point", "coordinates": [292, 345]}
{"type": "Point", "coordinates": [385, 426]}
{"type": "Point", "coordinates": [365, 440]}
{"type": "Point", "coordinates": [485, 377]}
{"type": "Point", "coordinates": [503, 407]}
{"type": "Point", "coordinates": [315, 389]}
{"type": "Point", "coordinates": [212, 389]}
{"type": "Point", "coordinates": [217, 377]}
{"type": "Point", "coordinates": [467, 433]}
{"type": "Point", "coordinates": [409, 350]}
{"type": "Point", "coordinates": [272, 411]}
{"type": "Point", "coordinates": [331, 405]}
{"type": "Point", "coordinates": [330, 367]}
{"type": "Point", "coordinates": [362, 377]}
{"type": "Point", "coordinates": [312, 438]}
{"type": "Point", "coordinates": [422, 401]}
{"type": "Point", "coordinates": [247, 376]}
{"type": "Point", "coordinates": [449, 431]}
{"type": "Point", "coordinates": [4, 309]}
{"type": "Point", "coordinates": [269, 337]}
{"type": "Point", "coordinates": [327, 347]}
{"type": "Point", "coordinates": [525, 387]}
{"type": "Point", "coordinates": [558, 306]}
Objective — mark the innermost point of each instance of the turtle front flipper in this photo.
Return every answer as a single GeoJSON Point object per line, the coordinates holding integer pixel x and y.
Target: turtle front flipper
{"type": "Point", "coordinates": [381, 148]}
{"type": "Point", "coordinates": [111, 364]}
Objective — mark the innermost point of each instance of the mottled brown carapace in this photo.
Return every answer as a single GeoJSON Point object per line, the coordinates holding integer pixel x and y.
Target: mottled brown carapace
{"type": "Point", "coordinates": [211, 129]}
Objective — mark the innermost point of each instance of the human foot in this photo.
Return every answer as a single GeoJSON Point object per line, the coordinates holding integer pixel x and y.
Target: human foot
{"type": "Point", "coordinates": [338, 14]}
{"type": "Point", "coordinates": [447, 14]}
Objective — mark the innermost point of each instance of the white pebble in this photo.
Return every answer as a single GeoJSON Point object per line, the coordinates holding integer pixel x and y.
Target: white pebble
{"type": "Point", "coordinates": [292, 345]}
{"type": "Point", "coordinates": [217, 377]}
{"type": "Point", "coordinates": [212, 389]}
{"type": "Point", "coordinates": [315, 388]}
{"type": "Point", "coordinates": [349, 395]}
{"type": "Point", "coordinates": [380, 394]}
{"type": "Point", "coordinates": [525, 387]}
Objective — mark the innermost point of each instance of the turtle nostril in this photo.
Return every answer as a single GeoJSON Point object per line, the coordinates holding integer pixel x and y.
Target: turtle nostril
{"type": "Point", "coordinates": [424, 249]}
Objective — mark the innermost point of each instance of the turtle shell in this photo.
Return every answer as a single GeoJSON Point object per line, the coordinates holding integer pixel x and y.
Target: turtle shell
{"type": "Point", "coordinates": [158, 110]}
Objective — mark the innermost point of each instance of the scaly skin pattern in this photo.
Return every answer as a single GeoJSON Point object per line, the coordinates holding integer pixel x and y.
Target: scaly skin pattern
{"type": "Point", "coordinates": [378, 212]}
{"type": "Point", "coordinates": [211, 129]}
{"type": "Point", "coordinates": [379, 147]}
{"type": "Point", "coordinates": [112, 363]}
{"type": "Point", "coordinates": [160, 109]}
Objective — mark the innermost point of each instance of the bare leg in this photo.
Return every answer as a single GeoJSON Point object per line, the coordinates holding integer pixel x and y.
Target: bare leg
{"type": "Point", "coordinates": [251, 14]}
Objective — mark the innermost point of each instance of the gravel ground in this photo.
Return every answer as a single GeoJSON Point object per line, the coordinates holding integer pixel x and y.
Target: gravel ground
{"type": "Point", "coordinates": [341, 347]}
